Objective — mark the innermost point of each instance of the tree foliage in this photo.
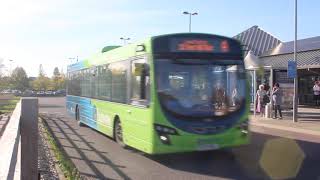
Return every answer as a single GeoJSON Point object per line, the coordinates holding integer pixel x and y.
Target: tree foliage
{"type": "Point", "coordinates": [58, 80]}
{"type": "Point", "coordinates": [56, 72]}
{"type": "Point", "coordinates": [41, 71]}
{"type": "Point", "coordinates": [5, 82]}
{"type": "Point", "coordinates": [42, 82]}
{"type": "Point", "coordinates": [19, 79]}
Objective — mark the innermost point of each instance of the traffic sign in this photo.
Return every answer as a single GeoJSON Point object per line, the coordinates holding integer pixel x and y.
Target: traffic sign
{"type": "Point", "coordinates": [292, 69]}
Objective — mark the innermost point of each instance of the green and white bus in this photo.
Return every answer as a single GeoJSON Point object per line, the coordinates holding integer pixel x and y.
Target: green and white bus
{"type": "Point", "coordinates": [169, 93]}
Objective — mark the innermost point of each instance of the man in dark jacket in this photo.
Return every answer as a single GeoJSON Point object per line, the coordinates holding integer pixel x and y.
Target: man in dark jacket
{"type": "Point", "coordinates": [277, 98]}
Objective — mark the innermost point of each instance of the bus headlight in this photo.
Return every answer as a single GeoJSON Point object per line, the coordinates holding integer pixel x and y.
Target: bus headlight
{"type": "Point", "coordinates": [165, 129]}
{"type": "Point", "coordinates": [164, 132]}
{"type": "Point", "coordinates": [244, 126]}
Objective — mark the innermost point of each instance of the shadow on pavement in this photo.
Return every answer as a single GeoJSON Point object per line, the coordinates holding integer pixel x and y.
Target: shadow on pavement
{"type": "Point", "coordinates": [237, 163]}
{"type": "Point", "coordinates": [80, 149]}
{"type": "Point", "coordinates": [240, 162]}
{"type": "Point", "coordinates": [50, 106]}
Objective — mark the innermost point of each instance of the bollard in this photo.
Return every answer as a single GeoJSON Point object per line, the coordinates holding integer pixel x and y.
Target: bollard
{"type": "Point", "coordinates": [29, 138]}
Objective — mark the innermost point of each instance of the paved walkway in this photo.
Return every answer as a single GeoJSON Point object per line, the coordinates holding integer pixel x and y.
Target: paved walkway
{"type": "Point", "coordinates": [308, 121]}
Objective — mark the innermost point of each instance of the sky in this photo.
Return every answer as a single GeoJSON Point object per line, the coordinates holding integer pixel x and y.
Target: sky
{"type": "Point", "coordinates": [52, 32]}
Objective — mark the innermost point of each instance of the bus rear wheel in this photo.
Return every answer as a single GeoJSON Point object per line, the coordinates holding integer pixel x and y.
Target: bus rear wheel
{"type": "Point", "coordinates": [77, 113]}
{"type": "Point", "coordinates": [78, 117]}
{"type": "Point", "coordinates": [118, 134]}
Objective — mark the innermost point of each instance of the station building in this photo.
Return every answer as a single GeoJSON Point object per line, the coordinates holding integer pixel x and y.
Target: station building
{"type": "Point", "coordinates": [266, 60]}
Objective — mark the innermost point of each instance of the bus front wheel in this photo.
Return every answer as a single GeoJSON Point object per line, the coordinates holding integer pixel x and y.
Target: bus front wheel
{"type": "Point", "coordinates": [118, 133]}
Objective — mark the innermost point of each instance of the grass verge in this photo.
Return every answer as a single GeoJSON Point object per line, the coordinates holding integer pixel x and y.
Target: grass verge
{"type": "Point", "coordinates": [65, 164]}
{"type": "Point", "coordinates": [8, 104]}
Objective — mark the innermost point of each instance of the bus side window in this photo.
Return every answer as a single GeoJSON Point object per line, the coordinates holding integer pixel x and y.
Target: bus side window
{"type": "Point", "coordinates": [140, 82]}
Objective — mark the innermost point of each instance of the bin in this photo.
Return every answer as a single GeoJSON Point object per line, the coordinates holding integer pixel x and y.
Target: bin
{"type": "Point", "coordinates": [268, 110]}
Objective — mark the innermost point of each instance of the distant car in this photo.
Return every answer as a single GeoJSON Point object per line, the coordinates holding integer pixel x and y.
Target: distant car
{"type": "Point", "coordinates": [54, 93]}
{"type": "Point", "coordinates": [17, 92]}
{"type": "Point", "coordinates": [48, 92]}
{"type": "Point", "coordinates": [61, 92]}
{"type": "Point", "coordinates": [40, 93]}
{"type": "Point", "coordinates": [27, 93]}
{"type": "Point", "coordinates": [34, 92]}
{"type": "Point", "coordinates": [6, 91]}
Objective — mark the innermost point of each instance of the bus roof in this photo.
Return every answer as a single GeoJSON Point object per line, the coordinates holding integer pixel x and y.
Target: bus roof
{"type": "Point", "coordinates": [191, 33]}
{"type": "Point", "coordinates": [111, 55]}
{"type": "Point", "coordinates": [117, 53]}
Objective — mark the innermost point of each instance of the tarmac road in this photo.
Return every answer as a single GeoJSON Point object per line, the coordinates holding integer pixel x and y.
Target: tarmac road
{"type": "Point", "coordinates": [99, 157]}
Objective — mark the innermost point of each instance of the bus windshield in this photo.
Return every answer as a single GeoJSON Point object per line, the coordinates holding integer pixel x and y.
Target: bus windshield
{"type": "Point", "coordinates": [200, 90]}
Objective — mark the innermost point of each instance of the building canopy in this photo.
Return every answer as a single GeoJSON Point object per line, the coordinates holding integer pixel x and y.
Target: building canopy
{"type": "Point", "coordinates": [263, 49]}
{"type": "Point", "coordinates": [251, 61]}
{"type": "Point", "coordinates": [257, 40]}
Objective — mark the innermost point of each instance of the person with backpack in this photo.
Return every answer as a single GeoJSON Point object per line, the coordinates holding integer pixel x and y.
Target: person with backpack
{"type": "Point", "coordinates": [267, 88]}
{"type": "Point", "coordinates": [277, 98]}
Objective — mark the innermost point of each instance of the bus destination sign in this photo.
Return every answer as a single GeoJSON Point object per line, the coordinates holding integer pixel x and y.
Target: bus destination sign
{"type": "Point", "coordinates": [199, 45]}
{"type": "Point", "coordinates": [195, 45]}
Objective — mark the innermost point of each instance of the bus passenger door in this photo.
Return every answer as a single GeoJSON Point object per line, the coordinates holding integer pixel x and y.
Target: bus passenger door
{"type": "Point", "coordinates": [139, 112]}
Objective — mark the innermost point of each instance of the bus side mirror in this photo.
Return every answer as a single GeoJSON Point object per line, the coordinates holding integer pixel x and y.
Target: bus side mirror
{"type": "Point", "coordinates": [93, 71]}
{"type": "Point", "coordinates": [146, 69]}
{"type": "Point", "coordinates": [141, 69]}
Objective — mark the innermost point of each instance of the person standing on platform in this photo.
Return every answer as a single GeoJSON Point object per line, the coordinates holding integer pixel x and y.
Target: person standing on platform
{"type": "Point", "coordinates": [277, 98]}
{"type": "Point", "coordinates": [267, 88]}
{"type": "Point", "coordinates": [260, 103]}
{"type": "Point", "coordinates": [316, 93]}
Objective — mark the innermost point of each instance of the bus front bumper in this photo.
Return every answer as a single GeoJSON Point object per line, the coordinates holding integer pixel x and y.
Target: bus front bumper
{"type": "Point", "coordinates": [188, 143]}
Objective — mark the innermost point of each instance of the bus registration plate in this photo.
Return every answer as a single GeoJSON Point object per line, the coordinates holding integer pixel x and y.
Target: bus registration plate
{"type": "Point", "coordinates": [205, 147]}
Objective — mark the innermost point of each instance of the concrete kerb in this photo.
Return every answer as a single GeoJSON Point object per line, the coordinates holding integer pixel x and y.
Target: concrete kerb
{"type": "Point", "coordinates": [62, 151]}
{"type": "Point", "coordinates": [255, 122]}
{"type": "Point", "coordinates": [56, 164]}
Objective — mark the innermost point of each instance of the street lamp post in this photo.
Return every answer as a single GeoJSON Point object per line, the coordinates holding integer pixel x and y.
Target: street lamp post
{"type": "Point", "coordinates": [190, 14]}
{"type": "Point", "coordinates": [124, 40]}
{"type": "Point", "coordinates": [1, 65]}
{"type": "Point", "coordinates": [73, 58]}
{"type": "Point", "coordinates": [10, 70]}
{"type": "Point", "coordinates": [295, 80]}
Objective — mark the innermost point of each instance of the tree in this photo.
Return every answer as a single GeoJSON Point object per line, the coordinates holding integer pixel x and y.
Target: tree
{"type": "Point", "coordinates": [19, 79]}
{"type": "Point", "coordinates": [62, 81]}
{"type": "Point", "coordinates": [5, 82]}
{"type": "Point", "coordinates": [58, 79]}
{"type": "Point", "coordinates": [56, 72]}
{"type": "Point", "coordinates": [41, 71]}
{"type": "Point", "coordinates": [42, 82]}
